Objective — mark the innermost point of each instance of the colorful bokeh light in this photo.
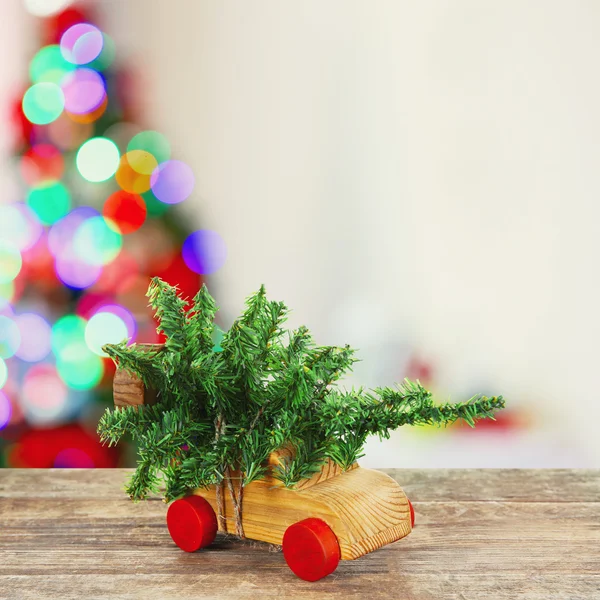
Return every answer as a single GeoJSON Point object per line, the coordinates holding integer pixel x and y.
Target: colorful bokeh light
{"type": "Point", "coordinates": [154, 206]}
{"type": "Point", "coordinates": [84, 91]}
{"type": "Point", "coordinates": [81, 43]}
{"type": "Point", "coordinates": [124, 315]}
{"type": "Point", "coordinates": [19, 226]}
{"type": "Point", "coordinates": [73, 458]}
{"type": "Point", "coordinates": [49, 201]}
{"type": "Point", "coordinates": [53, 257]}
{"type": "Point", "coordinates": [135, 170]}
{"type": "Point", "coordinates": [80, 369]}
{"type": "Point", "coordinates": [7, 292]}
{"type": "Point", "coordinates": [141, 162]}
{"type": "Point", "coordinates": [96, 242]}
{"type": "Point", "coordinates": [60, 236]}
{"type": "Point", "coordinates": [67, 330]}
{"type": "Point", "coordinates": [46, 8]}
{"type": "Point", "coordinates": [36, 336]}
{"type": "Point", "coordinates": [10, 337]}
{"type": "Point", "coordinates": [121, 133]}
{"type": "Point", "coordinates": [44, 395]}
{"type": "Point", "coordinates": [217, 337]}
{"type": "Point", "coordinates": [5, 410]}
{"type": "Point", "coordinates": [107, 55]}
{"type": "Point", "coordinates": [41, 163]}
{"type": "Point", "coordinates": [49, 66]}
{"type": "Point", "coordinates": [97, 159]}
{"type": "Point", "coordinates": [172, 181]}
{"type": "Point", "coordinates": [77, 366]}
{"type": "Point", "coordinates": [117, 272]}
{"type": "Point", "coordinates": [43, 103]}
{"type": "Point", "coordinates": [10, 261]}
{"type": "Point", "coordinates": [3, 373]}
{"type": "Point", "coordinates": [126, 211]}
{"type": "Point", "coordinates": [75, 273]}
{"type": "Point", "coordinates": [152, 142]}
{"type": "Point", "coordinates": [66, 134]}
{"type": "Point", "coordinates": [90, 117]}
{"type": "Point", "coordinates": [104, 328]}
{"type": "Point", "coordinates": [204, 251]}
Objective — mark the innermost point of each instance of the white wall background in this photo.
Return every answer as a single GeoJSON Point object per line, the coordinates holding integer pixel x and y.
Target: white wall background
{"type": "Point", "coordinates": [403, 174]}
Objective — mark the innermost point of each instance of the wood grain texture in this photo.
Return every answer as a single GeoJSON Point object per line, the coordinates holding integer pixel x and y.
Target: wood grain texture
{"type": "Point", "coordinates": [366, 509]}
{"type": "Point", "coordinates": [129, 389]}
{"type": "Point", "coordinates": [480, 535]}
{"type": "Point", "coordinates": [327, 471]}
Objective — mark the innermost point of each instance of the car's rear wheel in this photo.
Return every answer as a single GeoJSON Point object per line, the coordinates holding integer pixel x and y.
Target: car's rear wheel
{"type": "Point", "coordinates": [412, 514]}
{"type": "Point", "coordinates": [192, 523]}
{"type": "Point", "coordinates": [311, 549]}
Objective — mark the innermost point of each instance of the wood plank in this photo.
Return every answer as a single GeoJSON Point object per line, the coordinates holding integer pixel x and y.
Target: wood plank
{"type": "Point", "coordinates": [499, 485]}
{"type": "Point", "coordinates": [427, 485]}
{"type": "Point", "coordinates": [491, 534]}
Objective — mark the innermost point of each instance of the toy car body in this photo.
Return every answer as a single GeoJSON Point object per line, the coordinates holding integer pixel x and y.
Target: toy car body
{"type": "Point", "coordinates": [365, 509]}
{"type": "Point", "coordinates": [333, 515]}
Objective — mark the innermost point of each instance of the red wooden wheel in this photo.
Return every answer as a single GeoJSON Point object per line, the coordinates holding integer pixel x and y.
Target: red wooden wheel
{"type": "Point", "coordinates": [192, 523]}
{"type": "Point", "coordinates": [412, 514]}
{"type": "Point", "coordinates": [311, 549]}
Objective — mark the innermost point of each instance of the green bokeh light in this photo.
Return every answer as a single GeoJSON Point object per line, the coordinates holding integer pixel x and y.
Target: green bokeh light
{"type": "Point", "coordinates": [98, 159]}
{"type": "Point", "coordinates": [7, 292]}
{"type": "Point", "coordinates": [43, 103]}
{"type": "Point", "coordinates": [79, 368]}
{"type": "Point", "coordinates": [10, 262]}
{"type": "Point", "coordinates": [104, 328]}
{"type": "Point", "coordinates": [106, 57]}
{"type": "Point", "coordinates": [67, 331]}
{"type": "Point", "coordinates": [217, 337]}
{"type": "Point", "coordinates": [153, 142]}
{"type": "Point", "coordinates": [50, 202]}
{"type": "Point", "coordinates": [96, 242]}
{"type": "Point", "coordinates": [49, 65]}
{"type": "Point", "coordinates": [3, 373]}
{"type": "Point", "coordinates": [154, 207]}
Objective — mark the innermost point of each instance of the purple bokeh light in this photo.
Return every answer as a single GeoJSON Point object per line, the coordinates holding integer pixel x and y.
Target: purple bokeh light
{"type": "Point", "coordinates": [204, 251]}
{"type": "Point", "coordinates": [81, 43]}
{"type": "Point", "coordinates": [84, 91]}
{"type": "Point", "coordinates": [172, 181]}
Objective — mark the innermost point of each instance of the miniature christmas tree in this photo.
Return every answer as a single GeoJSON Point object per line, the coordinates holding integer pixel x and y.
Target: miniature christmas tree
{"type": "Point", "coordinates": [222, 409]}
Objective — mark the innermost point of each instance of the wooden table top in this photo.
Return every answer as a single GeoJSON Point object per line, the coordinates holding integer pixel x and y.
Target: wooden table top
{"type": "Point", "coordinates": [479, 534]}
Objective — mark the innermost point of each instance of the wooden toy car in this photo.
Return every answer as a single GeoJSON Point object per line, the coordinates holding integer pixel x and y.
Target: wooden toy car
{"type": "Point", "coordinates": [331, 516]}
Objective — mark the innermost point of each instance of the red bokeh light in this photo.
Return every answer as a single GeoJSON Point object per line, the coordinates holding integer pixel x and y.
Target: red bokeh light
{"type": "Point", "coordinates": [127, 211]}
{"type": "Point", "coordinates": [55, 26]}
{"type": "Point", "coordinates": [39, 448]}
{"type": "Point", "coordinates": [43, 162]}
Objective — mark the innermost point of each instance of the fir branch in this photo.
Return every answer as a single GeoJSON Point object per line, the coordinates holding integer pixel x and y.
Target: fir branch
{"type": "Point", "coordinates": [224, 412]}
{"type": "Point", "coordinates": [143, 360]}
{"type": "Point", "coordinates": [200, 325]}
{"type": "Point", "coordinates": [329, 364]}
{"type": "Point", "coordinates": [170, 311]}
{"type": "Point", "coordinates": [144, 481]}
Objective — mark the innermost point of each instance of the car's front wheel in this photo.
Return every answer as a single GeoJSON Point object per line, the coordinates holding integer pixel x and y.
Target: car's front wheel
{"type": "Point", "coordinates": [192, 523]}
{"type": "Point", "coordinates": [311, 549]}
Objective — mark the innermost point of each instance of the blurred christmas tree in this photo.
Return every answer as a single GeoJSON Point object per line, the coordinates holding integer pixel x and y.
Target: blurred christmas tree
{"type": "Point", "coordinates": [77, 249]}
